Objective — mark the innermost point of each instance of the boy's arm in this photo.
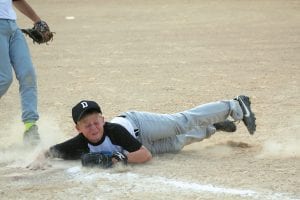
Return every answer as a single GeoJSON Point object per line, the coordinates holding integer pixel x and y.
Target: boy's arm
{"type": "Point", "coordinates": [26, 9]}
{"type": "Point", "coordinates": [140, 156]}
{"type": "Point", "coordinates": [137, 153]}
{"type": "Point", "coordinates": [71, 149]}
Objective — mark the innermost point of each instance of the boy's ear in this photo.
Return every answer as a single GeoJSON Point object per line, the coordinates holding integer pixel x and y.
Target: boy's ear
{"type": "Point", "coordinates": [77, 127]}
{"type": "Point", "coordinates": [101, 117]}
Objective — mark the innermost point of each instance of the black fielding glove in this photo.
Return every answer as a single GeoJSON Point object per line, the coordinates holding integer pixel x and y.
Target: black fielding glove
{"type": "Point", "coordinates": [102, 160]}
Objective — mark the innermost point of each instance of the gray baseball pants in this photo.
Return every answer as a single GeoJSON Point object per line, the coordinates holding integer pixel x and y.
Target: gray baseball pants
{"type": "Point", "coordinates": [162, 133]}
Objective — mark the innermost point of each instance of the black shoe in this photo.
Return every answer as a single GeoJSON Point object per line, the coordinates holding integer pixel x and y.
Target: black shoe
{"type": "Point", "coordinates": [31, 137]}
{"type": "Point", "coordinates": [227, 126]}
{"type": "Point", "coordinates": [249, 117]}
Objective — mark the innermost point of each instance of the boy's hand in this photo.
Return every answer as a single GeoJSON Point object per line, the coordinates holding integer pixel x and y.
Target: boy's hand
{"type": "Point", "coordinates": [40, 163]}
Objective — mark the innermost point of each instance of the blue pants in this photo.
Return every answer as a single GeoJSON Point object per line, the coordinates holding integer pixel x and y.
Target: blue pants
{"type": "Point", "coordinates": [14, 54]}
{"type": "Point", "coordinates": [163, 133]}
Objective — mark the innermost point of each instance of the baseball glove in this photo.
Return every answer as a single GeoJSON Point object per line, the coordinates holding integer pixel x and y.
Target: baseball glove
{"type": "Point", "coordinates": [40, 32]}
{"type": "Point", "coordinates": [102, 159]}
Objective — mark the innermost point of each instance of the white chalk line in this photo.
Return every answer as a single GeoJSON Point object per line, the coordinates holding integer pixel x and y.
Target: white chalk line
{"type": "Point", "coordinates": [157, 183]}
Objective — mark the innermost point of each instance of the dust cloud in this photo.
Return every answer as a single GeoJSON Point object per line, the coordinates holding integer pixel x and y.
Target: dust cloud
{"type": "Point", "coordinates": [284, 144]}
{"type": "Point", "coordinates": [12, 150]}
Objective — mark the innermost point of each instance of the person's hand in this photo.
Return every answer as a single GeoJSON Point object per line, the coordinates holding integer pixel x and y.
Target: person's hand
{"type": "Point", "coordinates": [40, 162]}
{"type": "Point", "coordinates": [118, 156]}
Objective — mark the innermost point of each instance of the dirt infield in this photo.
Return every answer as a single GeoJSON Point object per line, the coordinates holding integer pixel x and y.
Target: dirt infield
{"type": "Point", "coordinates": [164, 56]}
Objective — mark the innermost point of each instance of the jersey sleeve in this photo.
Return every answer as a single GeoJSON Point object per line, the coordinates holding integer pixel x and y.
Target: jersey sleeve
{"type": "Point", "coordinates": [121, 137]}
{"type": "Point", "coordinates": [71, 149]}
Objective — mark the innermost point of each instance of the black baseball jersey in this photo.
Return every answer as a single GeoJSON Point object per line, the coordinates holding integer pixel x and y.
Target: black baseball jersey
{"type": "Point", "coordinates": [115, 138]}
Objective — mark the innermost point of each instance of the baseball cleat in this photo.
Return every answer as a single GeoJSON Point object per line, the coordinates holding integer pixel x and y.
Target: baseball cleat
{"type": "Point", "coordinates": [31, 137]}
{"type": "Point", "coordinates": [226, 126]}
{"type": "Point", "coordinates": [248, 115]}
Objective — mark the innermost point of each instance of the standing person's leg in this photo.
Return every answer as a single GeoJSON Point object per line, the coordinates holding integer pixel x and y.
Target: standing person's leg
{"type": "Point", "coordinates": [171, 132]}
{"type": "Point", "coordinates": [25, 73]}
{"type": "Point", "coordinates": [5, 65]}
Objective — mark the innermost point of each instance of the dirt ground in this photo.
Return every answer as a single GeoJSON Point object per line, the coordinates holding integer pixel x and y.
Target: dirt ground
{"type": "Point", "coordinates": [163, 56]}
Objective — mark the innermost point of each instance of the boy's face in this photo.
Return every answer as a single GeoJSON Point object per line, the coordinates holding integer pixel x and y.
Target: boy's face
{"type": "Point", "coordinates": [91, 126]}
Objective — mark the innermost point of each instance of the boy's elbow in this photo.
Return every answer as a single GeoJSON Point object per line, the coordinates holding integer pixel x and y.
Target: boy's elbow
{"type": "Point", "coordinates": [148, 157]}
